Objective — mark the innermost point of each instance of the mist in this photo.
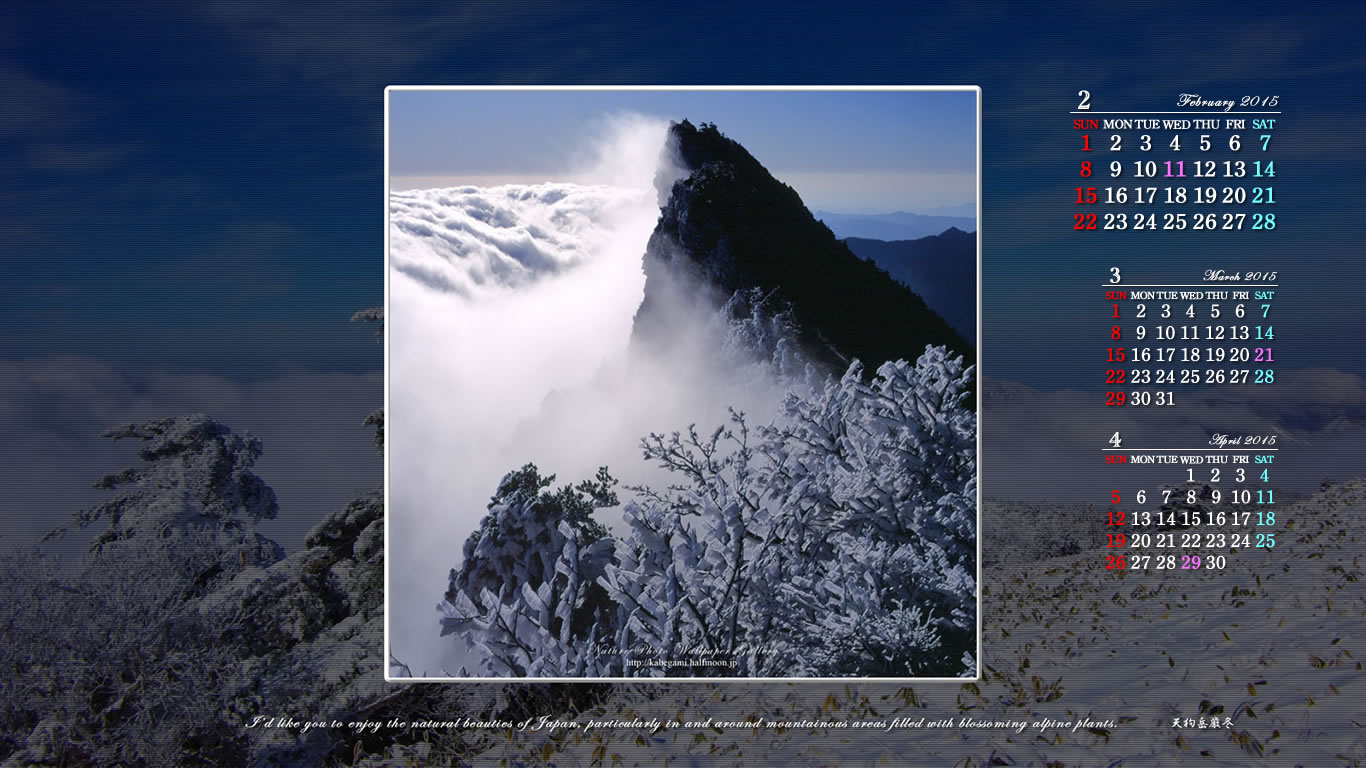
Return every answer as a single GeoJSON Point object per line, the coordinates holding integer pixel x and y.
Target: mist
{"type": "Point", "coordinates": [509, 325]}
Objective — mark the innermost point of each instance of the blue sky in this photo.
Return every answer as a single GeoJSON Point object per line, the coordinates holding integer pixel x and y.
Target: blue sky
{"type": "Point", "coordinates": [852, 151]}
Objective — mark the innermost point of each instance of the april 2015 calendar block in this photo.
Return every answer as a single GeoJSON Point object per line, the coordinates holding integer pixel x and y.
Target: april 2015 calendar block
{"type": "Point", "coordinates": [1222, 501]}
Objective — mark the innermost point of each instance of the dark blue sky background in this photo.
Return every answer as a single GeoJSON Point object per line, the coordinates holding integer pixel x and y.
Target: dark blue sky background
{"type": "Point", "coordinates": [197, 188]}
{"type": "Point", "coordinates": [191, 194]}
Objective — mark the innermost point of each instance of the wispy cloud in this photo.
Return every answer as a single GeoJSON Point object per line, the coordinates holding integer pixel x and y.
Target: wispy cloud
{"type": "Point", "coordinates": [255, 254]}
{"type": "Point", "coordinates": [75, 158]}
{"type": "Point", "coordinates": [348, 44]}
{"type": "Point", "coordinates": [1034, 442]}
{"type": "Point", "coordinates": [46, 121]}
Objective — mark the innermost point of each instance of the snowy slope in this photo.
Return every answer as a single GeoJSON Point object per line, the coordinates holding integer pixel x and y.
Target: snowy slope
{"type": "Point", "coordinates": [1275, 643]}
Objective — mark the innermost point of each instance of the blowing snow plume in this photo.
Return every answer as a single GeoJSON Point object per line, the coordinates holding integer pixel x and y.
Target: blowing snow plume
{"type": "Point", "coordinates": [563, 327]}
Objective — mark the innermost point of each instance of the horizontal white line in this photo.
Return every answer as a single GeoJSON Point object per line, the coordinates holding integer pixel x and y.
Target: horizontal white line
{"type": "Point", "coordinates": [1178, 112]}
{"type": "Point", "coordinates": [682, 88]}
{"type": "Point", "coordinates": [1190, 450]}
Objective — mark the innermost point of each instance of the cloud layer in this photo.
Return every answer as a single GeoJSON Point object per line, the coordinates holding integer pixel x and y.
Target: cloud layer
{"type": "Point", "coordinates": [1049, 445]}
{"type": "Point", "coordinates": [317, 453]}
{"type": "Point", "coordinates": [471, 240]}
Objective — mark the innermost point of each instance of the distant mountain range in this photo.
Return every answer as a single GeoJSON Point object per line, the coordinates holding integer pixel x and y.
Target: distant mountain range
{"type": "Point", "coordinates": [941, 269]}
{"type": "Point", "coordinates": [893, 226]}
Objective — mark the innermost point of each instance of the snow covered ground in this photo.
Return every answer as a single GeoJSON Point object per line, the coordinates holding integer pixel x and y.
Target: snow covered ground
{"type": "Point", "coordinates": [1272, 646]}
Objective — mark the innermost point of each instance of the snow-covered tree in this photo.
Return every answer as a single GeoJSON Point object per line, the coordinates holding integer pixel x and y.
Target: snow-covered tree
{"type": "Point", "coordinates": [376, 417]}
{"type": "Point", "coordinates": [111, 661]}
{"type": "Point", "coordinates": [196, 476]}
{"type": "Point", "coordinates": [111, 664]}
{"type": "Point", "coordinates": [526, 594]}
{"type": "Point", "coordinates": [840, 540]}
{"type": "Point", "coordinates": [758, 329]}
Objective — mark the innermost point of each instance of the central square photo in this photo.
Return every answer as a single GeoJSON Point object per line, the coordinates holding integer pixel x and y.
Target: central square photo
{"type": "Point", "coordinates": [682, 383]}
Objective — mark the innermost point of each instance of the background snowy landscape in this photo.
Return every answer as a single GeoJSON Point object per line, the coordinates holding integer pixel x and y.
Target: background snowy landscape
{"type": "Point", "coordinates": [191, 214]}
